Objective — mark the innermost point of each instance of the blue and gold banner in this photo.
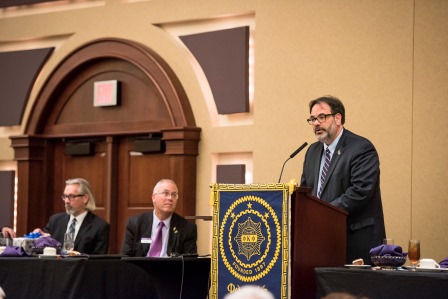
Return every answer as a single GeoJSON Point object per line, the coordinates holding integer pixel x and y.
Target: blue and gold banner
{"type": "Point", "coordinates": [250, 238]}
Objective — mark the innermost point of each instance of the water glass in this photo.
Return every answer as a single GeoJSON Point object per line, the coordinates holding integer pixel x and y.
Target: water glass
{"type": "Point", "coordinates": [69, 242]}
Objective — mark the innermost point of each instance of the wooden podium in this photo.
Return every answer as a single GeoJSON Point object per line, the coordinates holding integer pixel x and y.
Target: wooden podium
{"type": "Point", "coordinates": [318, 239]}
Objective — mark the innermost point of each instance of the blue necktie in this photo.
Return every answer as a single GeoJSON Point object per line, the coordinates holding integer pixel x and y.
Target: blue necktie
{"type": "Point", "coordinates": [71, 229]}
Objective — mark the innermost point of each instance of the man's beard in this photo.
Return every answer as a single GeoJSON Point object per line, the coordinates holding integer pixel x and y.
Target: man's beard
{"type": "Point", "coordinates": [328, 133]}
{"type": "Point", "coordinates": [69, 210]}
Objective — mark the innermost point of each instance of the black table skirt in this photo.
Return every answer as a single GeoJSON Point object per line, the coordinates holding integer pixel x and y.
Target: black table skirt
{"type": "Point", "coordinates": [377, 284]}
{"type": "Point", "coordinates": [104, 278]}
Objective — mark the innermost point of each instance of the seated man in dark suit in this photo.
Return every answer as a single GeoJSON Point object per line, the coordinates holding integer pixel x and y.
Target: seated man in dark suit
{"type": "Point", "coordinates": [91, 232]}
{"type": "Point", "coordinates": [160, 232]}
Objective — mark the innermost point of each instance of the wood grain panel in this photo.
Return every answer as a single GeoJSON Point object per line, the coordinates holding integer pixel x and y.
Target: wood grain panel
{"type": "Point", "coordinates": [138, 174]}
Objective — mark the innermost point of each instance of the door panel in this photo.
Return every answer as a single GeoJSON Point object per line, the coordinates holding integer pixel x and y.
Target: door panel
{"type": "Point", "coordinates": [92, 168]}
{"type": "Point", "coordinates": [138, 173]}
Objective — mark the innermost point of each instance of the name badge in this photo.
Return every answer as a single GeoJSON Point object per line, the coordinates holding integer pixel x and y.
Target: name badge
{"type": "Point", "coordinates": [146, 241]}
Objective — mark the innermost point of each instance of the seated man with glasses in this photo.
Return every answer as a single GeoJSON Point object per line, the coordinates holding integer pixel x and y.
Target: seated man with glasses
{"type": "Point", "coordinates": [161, 232]}
{"type": "Point", "coordinates": [91, 231]}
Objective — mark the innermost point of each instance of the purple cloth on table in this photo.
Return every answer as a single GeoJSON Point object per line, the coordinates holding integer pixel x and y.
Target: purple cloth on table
{"type": "Point", "coordinates": [47, 242]}
{"type": "Point", "coordinates": [388, 250]}
{"type": "Point", "coordinates": [444, 263]}
{"type": "Point", "coordinates": [14, 251]}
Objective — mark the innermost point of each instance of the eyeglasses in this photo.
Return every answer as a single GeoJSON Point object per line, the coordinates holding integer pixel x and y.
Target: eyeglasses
{"type": "Point", "coordinates": [320, 118]}
{"type": "Point", "coordinates": [70, 196]}
{"type": "Point", "coordinates": [166, 194]}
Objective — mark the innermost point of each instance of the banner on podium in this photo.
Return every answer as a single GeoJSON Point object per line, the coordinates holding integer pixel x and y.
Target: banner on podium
{"type": "Point", "coordinates": [250, 237]}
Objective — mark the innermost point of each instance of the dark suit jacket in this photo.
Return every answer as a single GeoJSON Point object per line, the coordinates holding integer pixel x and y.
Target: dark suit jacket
{"type": "Point", "coordinates": [92, 237]}
{"type": "Point", "coordinates": [353, 184]}
{"type": "Point", "coordinates": [182, 235]}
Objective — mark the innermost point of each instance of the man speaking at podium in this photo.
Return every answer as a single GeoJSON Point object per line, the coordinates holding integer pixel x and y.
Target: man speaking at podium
{"type": "Point", "coordinates": [342, 169]}
{"type": "Point", "coordinates": [160, 232]}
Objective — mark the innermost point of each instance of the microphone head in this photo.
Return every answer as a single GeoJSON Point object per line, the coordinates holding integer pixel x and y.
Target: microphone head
{"type": "Point", "coordinates": [298, 150]}
{"type": "Point", "coordinates": [292, 156]}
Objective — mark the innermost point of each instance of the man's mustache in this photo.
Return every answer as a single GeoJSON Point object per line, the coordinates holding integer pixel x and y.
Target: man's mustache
{"type": "Point", "coordinates": [319, 128]}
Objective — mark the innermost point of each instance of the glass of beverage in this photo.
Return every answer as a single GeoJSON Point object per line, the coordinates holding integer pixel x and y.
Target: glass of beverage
{"type": "Point", "coordinates": [5, 242]}
{"type": "Point", "coordinates": [69, 242]}
{"type": "Point", "coordinates": [414, 252]}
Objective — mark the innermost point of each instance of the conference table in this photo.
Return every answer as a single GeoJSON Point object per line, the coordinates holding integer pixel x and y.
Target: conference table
{"type": "Point", "coordinates": [105, 277]}
{"type": "Point", "coordinates": [377, 284]}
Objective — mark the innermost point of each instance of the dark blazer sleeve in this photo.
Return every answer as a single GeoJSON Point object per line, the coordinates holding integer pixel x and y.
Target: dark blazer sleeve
{"type": "Point", "coordinates": [137, 227]}
{"type": "Point", "coordinates": [128, 245]}
{"type": "Point", "coordinates": [311, 167]}
{"type": "Point", "coordinates": [57, 226]}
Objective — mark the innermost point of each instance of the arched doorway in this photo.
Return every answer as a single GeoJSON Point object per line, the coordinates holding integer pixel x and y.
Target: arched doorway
{"type": "Point", "coordinates": [122, 150]}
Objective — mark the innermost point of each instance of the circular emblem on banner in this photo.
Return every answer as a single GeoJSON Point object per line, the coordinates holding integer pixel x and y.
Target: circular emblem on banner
{"type": "Point", "coordinates": [249, 240]}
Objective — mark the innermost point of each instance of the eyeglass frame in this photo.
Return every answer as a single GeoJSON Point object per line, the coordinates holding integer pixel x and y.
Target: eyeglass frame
{"type": "Point", "coordinates": [166, 194]}
{"type": "Point", "coordinates": [311, 120]}
{"type": "Point", "coordinates": [70, 197]}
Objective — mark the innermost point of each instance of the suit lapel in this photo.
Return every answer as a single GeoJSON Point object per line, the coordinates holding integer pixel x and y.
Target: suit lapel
{"type": "Point", "coordinates": [173, 234]}
{"type": "Point", "coordinates": [84, 228]}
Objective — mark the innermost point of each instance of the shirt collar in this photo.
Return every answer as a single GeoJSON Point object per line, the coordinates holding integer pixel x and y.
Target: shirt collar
{"type": "Point", "coordinates": [80, 217]}
{"type": "Point", "coordinates": [333, 145]}
{"type": "Point", "coordinates": [157, 220]}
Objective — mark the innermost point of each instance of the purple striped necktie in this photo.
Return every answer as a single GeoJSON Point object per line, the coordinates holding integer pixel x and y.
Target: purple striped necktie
{"type": "Point", "coordinates": [325, 168]}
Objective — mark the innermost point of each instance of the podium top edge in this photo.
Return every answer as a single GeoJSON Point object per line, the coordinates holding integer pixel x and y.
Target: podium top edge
{"type": "Point", "coordinates": [251, 186]}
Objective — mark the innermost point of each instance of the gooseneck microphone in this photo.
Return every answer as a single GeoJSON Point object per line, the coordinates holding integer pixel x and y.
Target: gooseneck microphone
{"type": "Point", "coordinates": [292, 156]}
{"type": "Point", "coordinates": [175, 252]}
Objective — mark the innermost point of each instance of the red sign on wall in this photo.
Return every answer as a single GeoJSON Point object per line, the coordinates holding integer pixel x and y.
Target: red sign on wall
{"type": "Point", "coordinates": [105, 93]}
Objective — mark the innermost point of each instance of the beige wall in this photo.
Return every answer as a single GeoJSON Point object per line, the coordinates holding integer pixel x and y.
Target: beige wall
{"type": "Point", "coordinates": [386, 60]}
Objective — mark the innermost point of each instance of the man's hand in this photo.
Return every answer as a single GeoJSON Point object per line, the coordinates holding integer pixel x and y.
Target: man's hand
{"type": "Point", "coordinates": [8, 232]}
{"type": "Point", "coordinates": [42, 233]}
